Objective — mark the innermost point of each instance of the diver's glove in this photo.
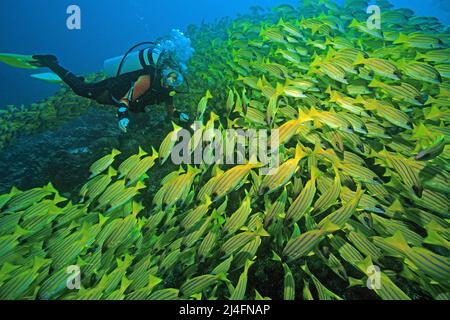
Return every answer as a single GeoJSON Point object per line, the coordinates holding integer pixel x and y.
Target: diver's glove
{"type": "Point", "coordinates": [181, 116]}
{"type": "Point", "coordinates": [184, 117]}
{"type": "Point", "coordinates": [123, 125]}
{"type": "Point", "coordinates": [122, 115]}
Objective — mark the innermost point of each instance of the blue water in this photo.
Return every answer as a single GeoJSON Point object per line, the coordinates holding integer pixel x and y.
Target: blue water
{"type": "Point", "coordinates": [110, 27]}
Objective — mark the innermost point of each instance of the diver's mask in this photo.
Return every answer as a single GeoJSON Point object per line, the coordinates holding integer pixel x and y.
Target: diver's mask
{"type": "Point", "coordinates": [172, 78]}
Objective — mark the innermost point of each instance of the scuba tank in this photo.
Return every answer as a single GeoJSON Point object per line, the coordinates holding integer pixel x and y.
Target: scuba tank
{"type": "Point", "coordinates": [132, 61]}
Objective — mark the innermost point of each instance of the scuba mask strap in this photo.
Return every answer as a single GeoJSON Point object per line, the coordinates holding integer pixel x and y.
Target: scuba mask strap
{"type": "Point", "coordinates": [187, 83]}
{"type": "Point", "coordinates": [158, 63]}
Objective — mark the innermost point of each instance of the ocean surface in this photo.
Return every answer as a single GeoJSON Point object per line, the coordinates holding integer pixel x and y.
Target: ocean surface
{"type": "Point", "coordinates": [110, 27]}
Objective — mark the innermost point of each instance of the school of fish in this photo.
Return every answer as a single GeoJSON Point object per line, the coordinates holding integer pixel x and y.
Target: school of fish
{"type": "Point", "coordinates": [363, 117]}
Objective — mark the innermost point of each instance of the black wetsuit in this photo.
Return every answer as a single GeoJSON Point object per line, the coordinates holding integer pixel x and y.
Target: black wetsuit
{"type": "Point", "coordinates": [111, 91]}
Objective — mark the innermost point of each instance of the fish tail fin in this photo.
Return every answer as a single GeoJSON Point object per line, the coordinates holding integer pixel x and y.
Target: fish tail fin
{"type": "Point", "coordinates": [155, 154]}
{"type": "Point", "coordinates": [354, 24]}
{"type": "Point", "coordinates": [214, 117]}
{"type": "Point", "coordinates": [360, 99]}
{"type": "Point", "coordinates": [103, 282]}
{"type": "Point", "coordinates": [142, 152]}
{"type": "Point", "coordinates": [334, 96]}
{"type": "Point", "coordinates": [360, 59]}
{"type": "Point", "coordinates": [209, 95]}
{"type": "Point", "coordinates": [248, 264]}
{"type": "Point", "coordinates": [313, 112]}
{"type": "Point", "coordinates": [323, 15]}
{"type": "Point", "coordinates": [102, 219]}
{"type": "Point", "coordinates": [306, 269]}
{"type": "Point", "coordinates": [402, 38]}
{"type": "Point", "coordinates": [85, 232]}
{"type": "Point", "coordinates": [299, 152]}
{"type": "Point", "coordinates": [207, 200]}
{"type": "Point", "coordinates": [127, 261]}
{"type": "Point", "coordinates": [176, 127]}
{"type": "Point", "coordinates": [303, 116]}
{"type": "Point", "coordinates": [330, 92]}
{"type": "Point", "coordinates": [50, 188]}
{"type": "Point", "coordinates": [279, 90]}
{"type": "Point", "coordinates": [194, 170]}
{"type": "Point", "coordinates": [359, 190]}
{"type": "Point", "coordinates": [125, 283]}
{"type": "Point", "coordinates": [330, 54]}
{"type": "Point", "coordinates": [137, 207]}
{"type": "Point", "coordinates": [336, 171]}
{"type": "Point", "coordinates": [433, 238]}
{"type": "Point", "coordinates": [365, 265]}
{"type": "Point", "coordinates": [353, 282]}
{"type": "Point", "coordinates": [115, 152]}
{"type": "Point", "coordinates": [140, 185]}
{"type": "Point", "coordinates": [58, 199]}
{"type": "Point", "coordinates": [430, 100]}
{"type": "Point", "coordinates": [254, 163]}
{"type": "Point", "coordinates": [222, 277]}
{"type": "Point", "coordinates": [276, 257]}
{"type": "Point", "coordinates": [375, 83]}
{"type": "Point", "coordinates": [317, 60]}
{"type": "Point", "coordinates": [260, 231]}
{"type": "Point", "coordinates": [398, 241]}
{"type": "Point", "coordinates": [314, 173]}
{"type": "Point", "coordinates": [153, 281]}
{"type": "Point", "coordinates": [314, 30]}
{"type": "Point", "coordinates": [330, 227]}
{"type": "Point", "coordinates": [14, 191]}
{"type": "Point", "coordinates": [420, 56]}
{"type": "Point", "coordinates": [39, 263]}
{"type": "Point", "coordinates": [81, 262]}
{"type": "Point", "coordinates": [280, 22]}
{"type": "Point", "coordinates": [112, 172]}
{"type": "Point", "coordinates": [19, 232]}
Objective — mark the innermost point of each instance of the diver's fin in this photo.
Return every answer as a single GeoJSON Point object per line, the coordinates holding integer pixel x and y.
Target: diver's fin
{"type": "Point", "coordinates": [18, 60]}
{"type": "Point", "coordinates": [47, 77]}
{"type": "Point", "coordinates": [43, 60]}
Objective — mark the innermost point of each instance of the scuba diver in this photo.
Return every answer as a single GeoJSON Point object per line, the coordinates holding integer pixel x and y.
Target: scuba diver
{"type": "Point", "coordinates": [135, 80]}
